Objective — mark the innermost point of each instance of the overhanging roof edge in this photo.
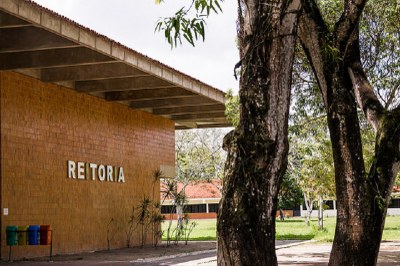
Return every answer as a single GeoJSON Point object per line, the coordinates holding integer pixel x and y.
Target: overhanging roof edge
{"type": "Point", "coordinates": [67, 28]}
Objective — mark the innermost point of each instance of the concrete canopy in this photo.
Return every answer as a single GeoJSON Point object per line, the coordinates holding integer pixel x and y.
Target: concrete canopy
{"type": "Point", "coordinates": [40, 43]}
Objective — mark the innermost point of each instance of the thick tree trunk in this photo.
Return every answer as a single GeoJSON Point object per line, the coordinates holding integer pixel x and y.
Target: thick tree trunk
{"type": "Point", "coordinates": [257, 149]}
{"type": "Point", "coordinates": [345, 135]}
{"type": "Point", "coordinates": [361, 198]}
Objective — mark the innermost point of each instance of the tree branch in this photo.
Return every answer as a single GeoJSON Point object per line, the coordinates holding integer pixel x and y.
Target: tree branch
{"type": "Point", "coordinates": [363, 91]}
{"type": "Point", "coordinates": [366, 97]}
{"type": "Point", "coordinates": [348, 22]}
{"type": "Point", "coordinates": [392, 96]}
{"type": "Point", "coordinates": [312, 30]}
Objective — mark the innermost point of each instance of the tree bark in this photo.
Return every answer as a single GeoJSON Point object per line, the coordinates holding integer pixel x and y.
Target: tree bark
{"type": "Point", "coordinates": [361, 198]}
{"type": "Point", "coordinates": [258, 148]}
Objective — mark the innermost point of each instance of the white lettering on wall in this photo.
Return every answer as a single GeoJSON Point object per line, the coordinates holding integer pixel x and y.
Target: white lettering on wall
{"type": "Point", "coordinates": [109, 173]}
{"type": "Point", "coordinates": [92, 171]}
{"type": "Point", "coordinates": [93, 166]}
{"type": "Point", "coordinates": [102, 172]}
{"type": "Point", "coordinates": [81, 170]}
{"type": "Point", "coordinates": [71, 169]}
{"type": "Point", "coordinates": [121, 177]}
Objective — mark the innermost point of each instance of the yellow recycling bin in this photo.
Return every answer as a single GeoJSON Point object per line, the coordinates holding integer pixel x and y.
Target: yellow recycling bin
{"type": "Point", "coordinates": [22, 235]}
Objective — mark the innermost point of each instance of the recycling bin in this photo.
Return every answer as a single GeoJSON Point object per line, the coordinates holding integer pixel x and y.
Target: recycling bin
{"type": "Point", "coordinates": [45, 234]}
{"type": "Point", "coordinates": [11, 235]}
{"type": "Point", "coordinates": [22, 232]}
{"type": "Point", "coordinates": [34, 235]}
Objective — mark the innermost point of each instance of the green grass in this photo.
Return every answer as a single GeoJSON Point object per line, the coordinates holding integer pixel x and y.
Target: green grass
{"type": "Point", "coordinates": [392, 228]}
{"type": "Point", "coordinates": [297, 229]}
{"type": "Point", "coordinates": [291, 229]}
{"type": "Point", "coordinates": [204, 230]}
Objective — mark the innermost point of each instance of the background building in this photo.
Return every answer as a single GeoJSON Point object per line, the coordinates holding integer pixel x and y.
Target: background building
{"type": "Point", "coordinates": [202, 200]}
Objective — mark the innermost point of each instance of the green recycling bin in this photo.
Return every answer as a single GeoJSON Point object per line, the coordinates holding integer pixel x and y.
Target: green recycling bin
{"type": "Point", "coordinates": [11, 235]}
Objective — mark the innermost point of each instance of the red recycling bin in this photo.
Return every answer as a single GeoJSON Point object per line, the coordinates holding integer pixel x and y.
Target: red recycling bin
{"type": "Point", "coordinates": [45, 234]}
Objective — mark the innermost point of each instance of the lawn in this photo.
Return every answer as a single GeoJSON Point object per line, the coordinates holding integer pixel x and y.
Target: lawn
{"type": "Point", "coordinates": [205, 229]}
{"type": "Point", "coordinates": [292, 228]}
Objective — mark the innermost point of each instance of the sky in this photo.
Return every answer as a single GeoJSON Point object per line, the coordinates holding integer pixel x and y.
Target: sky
{"type": "Point", "coordinates": [132, 23]}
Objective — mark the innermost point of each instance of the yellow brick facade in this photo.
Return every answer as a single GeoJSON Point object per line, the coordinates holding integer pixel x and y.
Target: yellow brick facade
{"type": "Point", "coordinates": [42, 127]}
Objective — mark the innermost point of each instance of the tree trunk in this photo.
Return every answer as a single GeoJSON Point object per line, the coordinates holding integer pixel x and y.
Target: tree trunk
{"type": "Point", "coordinates": [320, 213]}
{"type": "Point", "coordinates": [309, 202]}
{"type": "Point", "coordinates": [258, 148]}
{"type": "Point", "coordinates": [361, 198]}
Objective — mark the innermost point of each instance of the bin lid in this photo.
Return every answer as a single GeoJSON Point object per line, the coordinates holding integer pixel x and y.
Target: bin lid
{"type": "Point", "coordinates": [45, 227]}
{"type": "Point", "coordinates": [11, 228]}
{"type": "Point", "coordinates": [33, 227]}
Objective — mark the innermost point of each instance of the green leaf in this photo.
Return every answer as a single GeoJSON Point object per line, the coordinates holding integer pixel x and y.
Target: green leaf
{"type": "Point", "coordinates": [191, 27]}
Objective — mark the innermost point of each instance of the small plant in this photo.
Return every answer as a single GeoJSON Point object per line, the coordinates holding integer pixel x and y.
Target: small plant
{"type": "Point", "coordinates": [143, 218]}
{"type": "Point", "coordinates": [179, 200]}
{"type": "Point", "coordinates": [188, 227]}
{"type": "Point", "coordinates": [131, 227]}
{"type": "Point", "coordinates": [156, 220]}
{"type": "Point", "coordinates": [108, 233]}
{"type": "Point", "coordinates": [179, 232]}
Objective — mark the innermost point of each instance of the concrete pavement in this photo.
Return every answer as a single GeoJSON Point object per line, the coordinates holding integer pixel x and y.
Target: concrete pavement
{"type": "Point", "coordinates": [204, 254]}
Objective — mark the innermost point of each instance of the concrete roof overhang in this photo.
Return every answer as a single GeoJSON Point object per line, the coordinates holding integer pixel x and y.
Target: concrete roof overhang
{"type": "Point", "coordinates": [40, 43]}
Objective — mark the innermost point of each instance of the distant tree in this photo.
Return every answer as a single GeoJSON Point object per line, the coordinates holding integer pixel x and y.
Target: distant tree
{"type": "Point", "coordinates": [232, 108]}
{"type": "Point", "coordinates": [311, 162]}
{"type": "Point", "coordinates": [199, 155]}
{"type": "Point", "coordinates": [397, 181]}
{"type": "Point", "coordinates": [290, 195]}
{"type": "Point", "coordinates": [199, 158]}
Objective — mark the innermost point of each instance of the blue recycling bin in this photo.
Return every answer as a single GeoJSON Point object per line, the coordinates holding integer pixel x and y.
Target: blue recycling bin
{"type": "Point", "coordinates": [34, 235]}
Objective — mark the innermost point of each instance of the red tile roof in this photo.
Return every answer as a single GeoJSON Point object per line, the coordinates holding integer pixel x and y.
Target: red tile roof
{"type": "Point", "coordinates": [202, 190]}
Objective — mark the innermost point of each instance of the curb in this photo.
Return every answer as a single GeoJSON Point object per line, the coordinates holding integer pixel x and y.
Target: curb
{"type": "Point", "coordinates": [194, 253]}
{"type": "Point", "coordinates": [295, 244]}
{"type": "Point", "coordinates": [179, 255]}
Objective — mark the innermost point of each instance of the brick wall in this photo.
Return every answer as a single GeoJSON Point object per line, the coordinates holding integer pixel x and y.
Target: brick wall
{"type": "Point", "coordinates": [43, 126]}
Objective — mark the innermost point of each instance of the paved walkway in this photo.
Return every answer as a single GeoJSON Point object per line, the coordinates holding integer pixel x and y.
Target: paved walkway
{"type": "Point", "coordinates": [204, 254]}
{"type": "Point", "coordinates": [318, 254]}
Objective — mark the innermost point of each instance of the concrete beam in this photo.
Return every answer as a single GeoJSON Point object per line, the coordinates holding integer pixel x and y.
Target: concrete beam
{"type": "Point", "coordinates": [183, 125]}
{"type": "Point", "coordinates": [214, 125]}
{"type": "Point", "coordinates": [186, 125]}
{"type": "Point", "coordinates": [198, 116]}
{"type": "Point", "coordinates": [51, 58]}
{"type": "Point", "coordinates": [9, 21]}
{"type": "Point", "coordinates": [15, 40]}
{"type": "Point", "coordinates": [189, 109]}
{"type": "Point", "coordinates": [90, 72]}
{"type": "Point", "coordinates": [170, 102]}
{"type": "Point", "coordinates": [148, 94]}
{"type": "Point", "coordinates": [121, 84]}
